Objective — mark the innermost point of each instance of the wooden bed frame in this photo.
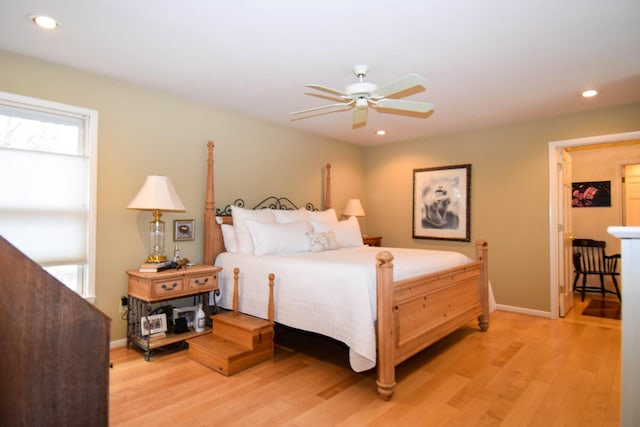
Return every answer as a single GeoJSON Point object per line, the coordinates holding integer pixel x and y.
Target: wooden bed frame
{"type": "Point", "coordinates": [412, 313]}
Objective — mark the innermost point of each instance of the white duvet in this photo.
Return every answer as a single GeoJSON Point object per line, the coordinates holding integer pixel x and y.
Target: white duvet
{"type": "Point", "coordinates": [332, 293]}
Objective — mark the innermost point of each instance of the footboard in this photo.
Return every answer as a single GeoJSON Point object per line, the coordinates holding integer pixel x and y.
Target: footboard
{"type": "Point", "coordinates": [416, 312]}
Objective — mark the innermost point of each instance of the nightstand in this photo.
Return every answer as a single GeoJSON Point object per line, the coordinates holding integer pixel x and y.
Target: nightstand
{"type": "Point", "coordinates": [372, 240]}
{"type": "Point", "coordinates": [147, 288]}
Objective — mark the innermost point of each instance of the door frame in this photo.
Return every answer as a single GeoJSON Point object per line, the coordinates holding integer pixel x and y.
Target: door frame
{"type": "Point", "coordinates": [555, 211]}
{"type": "Point", "coordinates": [620, 168]}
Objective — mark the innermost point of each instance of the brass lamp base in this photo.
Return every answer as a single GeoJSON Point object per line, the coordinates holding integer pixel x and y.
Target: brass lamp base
{"type": "Point", "coordinates": [156, 258]}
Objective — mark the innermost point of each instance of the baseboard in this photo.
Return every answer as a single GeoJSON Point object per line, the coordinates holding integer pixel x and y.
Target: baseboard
{"type": "Point", "coordinates": [118, 343]}
{"type": "Point", "coordinates": [522, 310]}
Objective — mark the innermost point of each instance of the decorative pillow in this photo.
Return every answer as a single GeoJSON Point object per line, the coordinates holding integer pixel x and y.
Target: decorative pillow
{"type": "Point", "coordinates": [347, 232]}
{"type": "Point", "coordinates": [228, 237]}
{"type": "Point", "coordinates": [244, 243]}
{"type": "Point", "coordinates": [323, 241]}
{"type": "Point", "coordinates": [327, 216]}
{"type": "Point", "coordinates": [278, 238]}
{"type": "Point", "coordinates": [285, 216]}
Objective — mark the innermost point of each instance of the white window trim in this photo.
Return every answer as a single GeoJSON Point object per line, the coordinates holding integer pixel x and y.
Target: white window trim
{"type": "Point", "coordinates": [91, 133]}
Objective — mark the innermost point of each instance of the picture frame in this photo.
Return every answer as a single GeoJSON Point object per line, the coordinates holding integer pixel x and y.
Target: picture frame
{"type": "Point", "coordinates": [442, 203]}
{"type": "Point", "coordinates": [184, 229]}
{"type": "Point", "coordinates": [591, 194]}
{"type": "Point", "coordinates": [153, 324]}
{"type": "Point", "coordinates": [188, 313]}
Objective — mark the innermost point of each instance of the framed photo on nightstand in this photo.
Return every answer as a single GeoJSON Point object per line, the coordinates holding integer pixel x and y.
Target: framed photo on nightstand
{"type": "Point", "coordinates": [154, 324]}
{"type": "Point", "coordinates": [189, 313]}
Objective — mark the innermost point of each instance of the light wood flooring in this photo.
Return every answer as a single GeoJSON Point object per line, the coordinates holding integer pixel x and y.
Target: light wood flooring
{"type": "Point", "coordinates": [525, 371]}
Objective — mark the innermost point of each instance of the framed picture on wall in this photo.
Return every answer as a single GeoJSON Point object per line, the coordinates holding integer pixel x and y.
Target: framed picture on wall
{"type": "Point", "coordinates": [591, 194]}
{"type": "Point", "coordinates": [184, 229]}
{"type": "Point", "coordinates": [442, 203]}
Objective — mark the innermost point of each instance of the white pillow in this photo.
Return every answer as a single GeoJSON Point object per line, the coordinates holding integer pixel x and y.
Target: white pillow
{"type": "Point", "coordinates": [284, 216]}
{"type": "Point", "coordinates": [244, 243]}
{"type": "Point", "coordinates": [327, 216]}
{"type": "Point", "coordinates": [323, 241]}
{"type": "Point", "coordinates": [278, 238]}
{"type": "Point", "coordinates": [347, 232]}
{"type": "Point", "coordinates": [228, 237]}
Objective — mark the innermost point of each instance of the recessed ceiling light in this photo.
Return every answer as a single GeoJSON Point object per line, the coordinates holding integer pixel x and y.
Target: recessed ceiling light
{"type": "Point", "coordinates": [381, 132]}
{"type": "Point", "coordinates": [589, 93]}
{"type": "Point", "coordinates": [46, 22]}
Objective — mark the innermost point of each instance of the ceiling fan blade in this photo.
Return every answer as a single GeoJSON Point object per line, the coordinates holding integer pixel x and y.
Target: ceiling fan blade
{"type": "Point", "coordinates": [400, 85]}
{"type": "Point", "coordinates": [325, 96]}
{"type": "Point", "coordinates": [324, 107]}
{"type": "Point", "coordinates": [399, 104]}
{"type": "Point", "coordinates": [360, 116]}
{"type": "Point", "coordinates": [327, 89]}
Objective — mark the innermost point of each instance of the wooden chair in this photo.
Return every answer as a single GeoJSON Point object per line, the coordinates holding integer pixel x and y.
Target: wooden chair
{"type": "Point", "coordinates": [589, 259]}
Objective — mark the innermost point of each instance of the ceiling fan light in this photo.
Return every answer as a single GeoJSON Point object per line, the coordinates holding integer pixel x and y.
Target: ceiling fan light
{"type": "Point", "coordinates": [361, 103]}
{"type": "Point", "coordinates": [589, 93]}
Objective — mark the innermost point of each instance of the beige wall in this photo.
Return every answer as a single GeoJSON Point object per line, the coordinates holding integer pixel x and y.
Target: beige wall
{"type": "Point", "coordinates": [509, 201]}
{"type": "Point", "coordinates": [144, 132]}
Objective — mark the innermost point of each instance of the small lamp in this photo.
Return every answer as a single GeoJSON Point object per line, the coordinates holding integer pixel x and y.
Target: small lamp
{"type": "Point", "coordinates": [353, 208]}
{"type": "Point", "coordinates": [157, 194]}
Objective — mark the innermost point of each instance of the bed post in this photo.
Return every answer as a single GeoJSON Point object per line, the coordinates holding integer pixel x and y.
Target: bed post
{"type": "Point", "coordinates": [327, 189]}
{"type": "Point", "coordinates": [482, 255]}
{"type": "Point", "coordinates": [271, 306]}
{"type": "Point", "coordinates": [236, 277]}
{"type": "Point", "coordinates": [386, 336]}
{"type": "Point", "coordinates": [212, 232]}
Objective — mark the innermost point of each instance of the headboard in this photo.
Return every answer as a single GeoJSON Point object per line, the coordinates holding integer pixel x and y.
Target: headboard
{"type": "Point", "coordinates": [213, 244]}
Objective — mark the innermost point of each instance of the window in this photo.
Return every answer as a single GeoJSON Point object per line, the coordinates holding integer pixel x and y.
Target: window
{"type": "Point", "coordinates": [48, 197]}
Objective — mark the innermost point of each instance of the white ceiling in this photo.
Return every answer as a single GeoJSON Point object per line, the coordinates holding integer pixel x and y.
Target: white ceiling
{"type": "Point", "coordinates": [485, 62]}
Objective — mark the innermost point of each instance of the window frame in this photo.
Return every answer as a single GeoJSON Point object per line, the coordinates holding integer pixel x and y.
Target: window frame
{"type": "Point", "coordinates": [90, 119]}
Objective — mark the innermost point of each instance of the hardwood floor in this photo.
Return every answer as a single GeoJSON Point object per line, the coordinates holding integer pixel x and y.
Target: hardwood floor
{"type": "Point", "coordinates": [524, 371]}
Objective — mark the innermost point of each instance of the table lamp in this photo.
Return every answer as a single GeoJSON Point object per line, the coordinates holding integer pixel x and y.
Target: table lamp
{"type": "Point", "coordinates": [353, 208]}
{"type": "Point", "coordinates": [157, 194]}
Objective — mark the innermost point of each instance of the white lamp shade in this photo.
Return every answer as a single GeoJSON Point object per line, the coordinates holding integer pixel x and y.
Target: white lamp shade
{"type": "Point", "coordinates": [157, 193]}
{"type": "Point", "coordinates": [353, 208]}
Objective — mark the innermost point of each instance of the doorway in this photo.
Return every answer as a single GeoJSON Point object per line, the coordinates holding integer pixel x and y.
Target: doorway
{"type": "Point", "coordinates": [557, 210]}
{"type": "Point", "coordinates": [630, 194]}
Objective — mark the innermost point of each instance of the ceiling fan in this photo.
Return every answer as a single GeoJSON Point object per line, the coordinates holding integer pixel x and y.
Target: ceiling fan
{"type": "Point", "coordinates": [361, 95]}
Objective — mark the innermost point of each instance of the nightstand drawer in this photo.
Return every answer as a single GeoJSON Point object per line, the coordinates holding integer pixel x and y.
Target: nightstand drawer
{"type": "Point", "coordinates": [167, 287]}
{"type": "Point", "coordinates": [203, 283]}
{"type": "Point", "coordinates": [173, 283]}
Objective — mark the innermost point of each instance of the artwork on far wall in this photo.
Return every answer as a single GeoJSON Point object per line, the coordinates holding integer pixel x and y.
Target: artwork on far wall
{"type": "Point", "coordinates": [442, 203]}
{"type": "Point", "coordinates": [591, 194]}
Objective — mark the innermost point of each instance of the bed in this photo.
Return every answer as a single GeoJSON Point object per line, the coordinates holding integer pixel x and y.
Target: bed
{"type": "Point", "coordinates": [385, 304]}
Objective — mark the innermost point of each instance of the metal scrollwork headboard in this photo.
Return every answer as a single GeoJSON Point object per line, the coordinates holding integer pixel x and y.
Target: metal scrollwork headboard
{"type": "Point", "coordinates": [271, 202]}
